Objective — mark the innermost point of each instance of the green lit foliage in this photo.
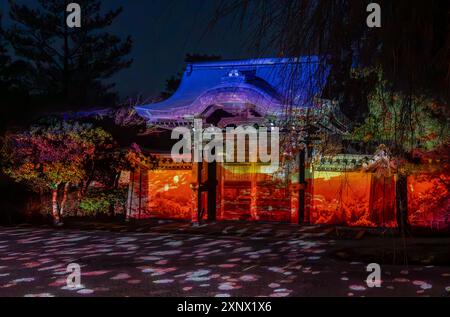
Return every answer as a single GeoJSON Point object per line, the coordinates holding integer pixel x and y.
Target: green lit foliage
{"type": "Point", "coordinates": [100, 201]}
{"type": "Point", "coordinates": [405, 123]}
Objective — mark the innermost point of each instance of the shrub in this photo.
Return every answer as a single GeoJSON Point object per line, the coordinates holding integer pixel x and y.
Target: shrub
{"type": "Point", "coordinates": [100, 201]}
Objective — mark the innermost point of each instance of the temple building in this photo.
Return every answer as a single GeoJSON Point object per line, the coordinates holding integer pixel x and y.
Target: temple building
{"type": "Point", "coordinates": [307, 186]}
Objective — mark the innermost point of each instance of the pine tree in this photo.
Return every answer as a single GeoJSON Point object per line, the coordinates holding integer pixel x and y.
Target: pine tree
{"type": "Point", "coordinates": [14, 83]}
{"type": "Point", "coordinates": [5, 61]}
{"type": "Point", "coordinates": [70, 64]}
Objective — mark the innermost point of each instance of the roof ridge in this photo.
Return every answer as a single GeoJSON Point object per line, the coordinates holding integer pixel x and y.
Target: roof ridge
{"type": "Point", "coordinates": [267, 61]}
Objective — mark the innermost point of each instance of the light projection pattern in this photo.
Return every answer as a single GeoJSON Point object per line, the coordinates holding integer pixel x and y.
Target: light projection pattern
{"type": "Point", "coordinates": [429, 200]}
{"type": "Point", "coordinates": [356, 199]}
{"type": "Point", "coordinates": [251, 195]}
{"type": "Point", "coordinates": [33, 264]}
{"type": "Point", "coordinates": [353, 199]}
{"type": "Point", "coordinates": [162, 194]}
{"type": "Point", "coordinates": [170, 195]}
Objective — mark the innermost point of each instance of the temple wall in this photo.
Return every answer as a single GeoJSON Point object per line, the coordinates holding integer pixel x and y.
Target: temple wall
{"type": "Point", "coordinates": [161, 194]}
{"type": "Point", "coordinates": [353, 199]}
{"type": "Point", "coordinates": [429, 200]}
{"type": "Point", "coordinates": [138, 193]}
{"type": "Point", "coordinates": [248, 192]}
{"type": "Point", "coordinates": [170, 189]}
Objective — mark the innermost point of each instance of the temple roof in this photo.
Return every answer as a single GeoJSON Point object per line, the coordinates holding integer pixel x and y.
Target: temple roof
{"type": "Point", "coordinates": [269, 83]}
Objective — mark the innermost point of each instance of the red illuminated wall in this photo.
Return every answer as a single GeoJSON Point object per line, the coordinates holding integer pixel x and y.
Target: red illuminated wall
{"type": "Point", "coordinates": [353, 199]}
{"type": "Point", "coordinates": [170, 195]}
{"type": "Point", "coordinates": [273, 199]}
{"type": "Point", "coordinates": [429, 200]}
{"type": "Point", "coordinates": [245, 193]}
{"type": "Point", "coordinates": [249, 195]}
{"type": "Point", "coordinates": [162, 194]}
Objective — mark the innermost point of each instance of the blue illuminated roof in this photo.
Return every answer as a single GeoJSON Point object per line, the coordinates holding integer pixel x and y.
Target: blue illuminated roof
{"type": "Point", "coordinates": [280, 81]}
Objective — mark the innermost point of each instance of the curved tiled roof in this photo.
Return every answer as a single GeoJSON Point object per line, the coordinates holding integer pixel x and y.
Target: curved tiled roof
{"type": "Point", "coordinates": [279, 81]}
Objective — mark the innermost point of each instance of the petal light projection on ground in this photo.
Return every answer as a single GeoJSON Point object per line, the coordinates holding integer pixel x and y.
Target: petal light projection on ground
{"type": "Point", "coordinates": [258, 260]}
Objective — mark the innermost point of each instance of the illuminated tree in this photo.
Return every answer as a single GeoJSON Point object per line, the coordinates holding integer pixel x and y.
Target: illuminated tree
{"type": "Point", "coordinates": [405, 123]}
{"type": "Point", "coordinates": [410, 126]}
{"type": "Point", "coordinates": [50, 158]}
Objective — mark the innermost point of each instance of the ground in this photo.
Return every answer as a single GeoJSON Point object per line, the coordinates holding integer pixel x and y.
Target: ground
{"type": "Point", "coordinates": [226, 259]}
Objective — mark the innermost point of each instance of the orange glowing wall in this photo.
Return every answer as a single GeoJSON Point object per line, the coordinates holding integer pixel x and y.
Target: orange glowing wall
{"type": "Point", "coordinates": [352, 199]}
{"type": "Point", "coordinates": [339, 198]}
{"type": "Point", "coordinates": [429, 200]}
{"type": "Point", "coordinates": [162, 194]}
{"type": "Point", "coordinates": [248, 194]}
{"type": "Point", "coordinates": [170, 195]}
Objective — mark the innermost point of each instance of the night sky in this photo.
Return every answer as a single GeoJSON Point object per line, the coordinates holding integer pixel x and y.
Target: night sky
{"type": "Point", "coordinates": [163, 32]}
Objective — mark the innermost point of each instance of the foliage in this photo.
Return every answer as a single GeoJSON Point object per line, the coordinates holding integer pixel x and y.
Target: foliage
{"type": "Point", "coordinates": [127, 117]}
{"type": "Point", "coordinates": [412, 47]}
{"type": "Point", "coordinates": [134, 158]}
{"type": "Point", "coordinates": [48, 155]}
{"type": "Point", "coordinates": [405, 123]}
{"type": "Point", "coordinates": [108, 162]}
{"type": "Point", "coordinates": [52, 155]}
{"type": "Point", "coordinates": [100, 201]}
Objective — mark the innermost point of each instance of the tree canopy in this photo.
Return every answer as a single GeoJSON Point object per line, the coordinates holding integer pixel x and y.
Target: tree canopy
{"type": "Point", "coordinates": [70, 65]}
{"type": "Point", "coordinates": [412, 47]}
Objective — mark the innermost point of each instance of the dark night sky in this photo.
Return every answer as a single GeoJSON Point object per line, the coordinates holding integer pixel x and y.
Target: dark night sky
{"type": "Point", "coordinates": [163, 32]}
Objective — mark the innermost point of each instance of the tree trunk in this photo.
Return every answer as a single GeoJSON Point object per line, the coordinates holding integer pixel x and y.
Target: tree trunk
{"type": "Point", "coordinates": [64, 199]}
{"type": "Point", "coordinates": [128, 214]}
{"type": "Point", "coordinates": [89, 180]}
{"type": "Point", "coordinates": [55, 213]}
{"type": "Point", "coordinates": [116, 180]}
